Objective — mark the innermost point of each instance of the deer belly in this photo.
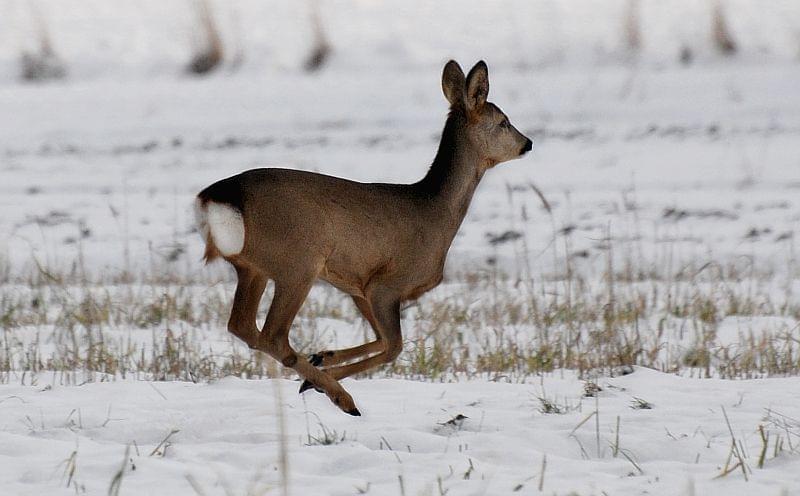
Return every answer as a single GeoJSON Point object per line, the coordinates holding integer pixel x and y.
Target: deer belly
{"type": "Point", "coordinates": [424, 286]}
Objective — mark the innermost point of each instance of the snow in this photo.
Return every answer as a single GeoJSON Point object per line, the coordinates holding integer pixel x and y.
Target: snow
{"type": "Point", "coordinates": [229, 439]}
{"type": "Point", "coordinates": [689, 170]}
{"type": "Point", "coordinates": [128, 170]}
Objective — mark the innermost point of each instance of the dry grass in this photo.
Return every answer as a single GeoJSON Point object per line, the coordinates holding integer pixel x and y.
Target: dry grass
{"type": "Point", "coordinates": [208, 53]}
{"type": "Point", "coordinates": [479, 325]}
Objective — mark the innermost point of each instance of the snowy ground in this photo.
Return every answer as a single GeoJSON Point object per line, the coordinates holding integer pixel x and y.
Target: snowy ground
{"type": "Point", "coordinates": [684, 180]}
{"type": "Point", "coordinates": [228, 438]}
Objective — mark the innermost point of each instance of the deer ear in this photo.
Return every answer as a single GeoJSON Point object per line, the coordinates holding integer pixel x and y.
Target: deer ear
{"type": "Point", "coordinates": [477, 86]}
{"type": "Point", "coordinates": [453, 83]}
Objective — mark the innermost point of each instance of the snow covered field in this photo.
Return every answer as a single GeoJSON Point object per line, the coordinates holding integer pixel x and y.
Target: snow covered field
{"type": "Point", "coordinates": [655, 434]}
{"type": "Point", "coordinates": [666, 238]}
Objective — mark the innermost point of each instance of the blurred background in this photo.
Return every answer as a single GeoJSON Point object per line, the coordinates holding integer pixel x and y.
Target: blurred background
{"type": "Point", "coordinates": [145, 39]}
{"type": "Point", "coordinates": [673, 126]}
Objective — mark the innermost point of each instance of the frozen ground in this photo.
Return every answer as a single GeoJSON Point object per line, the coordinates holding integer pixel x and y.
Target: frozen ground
{"type": "Point", "coordinates": [675, 202]}
{"type": "Point", "coordinates": [228, 439]}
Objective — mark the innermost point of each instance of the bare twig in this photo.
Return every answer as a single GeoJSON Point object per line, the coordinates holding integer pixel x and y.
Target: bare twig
{"type": "Point", "coordinates": [764, 443]}
{"type": "Point", "coordinates": [635, 465]}
{"type": "Point", "coordinates": [210, 56]}
{"type": "Point", "coordinates": [735, 447]}
{"type": "Point", "coordinates": [163, 443]}
{"type": "Point", "coordinates": [116, 481]}
{"type": "Point", "coordinates": [585, 419]}
{"type": "Point", "coordinates": [541, 474]}
{"type": "Point", "coordinates": [720, 32]}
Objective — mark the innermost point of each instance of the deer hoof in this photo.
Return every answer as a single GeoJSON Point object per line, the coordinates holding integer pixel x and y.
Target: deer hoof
{"type": "Point", "coordinates": [315, 360]}
{"type": "Point", "coordinates": [345, 403]}
{"type": "Point", "coordinates": [318, 359]}
{"type": "Point", "coordinates": [306, 385]}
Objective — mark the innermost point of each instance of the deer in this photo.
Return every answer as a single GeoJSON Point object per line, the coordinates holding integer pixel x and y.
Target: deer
{"type": "Point", "coordinates": [382, 244]}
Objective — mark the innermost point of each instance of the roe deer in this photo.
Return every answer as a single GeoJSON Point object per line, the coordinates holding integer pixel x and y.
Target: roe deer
{"type": "Point", "coordinates": [380, 243]}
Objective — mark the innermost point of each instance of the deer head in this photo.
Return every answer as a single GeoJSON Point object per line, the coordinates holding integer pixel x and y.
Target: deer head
{"type": "Point", "coordinates": [488, 129]}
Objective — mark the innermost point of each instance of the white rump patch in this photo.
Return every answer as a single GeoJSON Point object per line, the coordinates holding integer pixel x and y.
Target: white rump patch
{"type": "Point", "coordinates": [223, 224]}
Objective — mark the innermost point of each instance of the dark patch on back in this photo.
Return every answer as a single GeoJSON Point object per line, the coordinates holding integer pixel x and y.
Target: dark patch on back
{"type": "Point", "coordinates": [228, 191]}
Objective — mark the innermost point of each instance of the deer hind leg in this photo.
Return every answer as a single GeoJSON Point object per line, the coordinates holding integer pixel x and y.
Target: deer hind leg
{"type": "Point", "coordinates": [335, 357]}
{"type": "Point", "coordinates": [249, 290]}
{"type": "Point", "coordinates": [275, 341]}
{"type": "Point", "coordinates": [328, 358]}
{"type": "Point", "coordinates": [386, 310]}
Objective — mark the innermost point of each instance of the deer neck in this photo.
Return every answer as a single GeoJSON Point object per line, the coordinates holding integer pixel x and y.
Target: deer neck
{"type": "Point", "coordinates": [455, 173]}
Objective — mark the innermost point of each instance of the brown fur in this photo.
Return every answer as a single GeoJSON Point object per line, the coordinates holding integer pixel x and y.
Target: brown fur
{"type": "Point", "coordinates": [381, 243]}
{"type": "Point", "coordinates": [211, 253]}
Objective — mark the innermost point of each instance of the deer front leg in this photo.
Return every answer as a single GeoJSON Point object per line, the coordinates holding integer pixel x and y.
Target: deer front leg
{"type": "Point", "coordinates": [327, 358]}
{"type": "Point", "coordinates": [332, 357]}
{"type": "Point", "coordinates": [387, 318]}
{"type": "Point", "coordinates": [274, 340]}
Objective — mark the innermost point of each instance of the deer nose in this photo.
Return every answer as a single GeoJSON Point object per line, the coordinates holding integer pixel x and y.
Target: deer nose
{"type": "Point", "coordinates": [528, 147]}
